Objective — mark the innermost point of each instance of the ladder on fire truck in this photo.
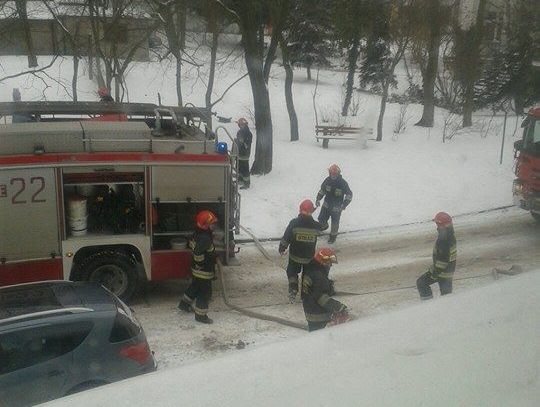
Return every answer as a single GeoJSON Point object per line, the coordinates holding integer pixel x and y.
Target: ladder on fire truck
{"type": "Point", "coordinates": [157, 117]}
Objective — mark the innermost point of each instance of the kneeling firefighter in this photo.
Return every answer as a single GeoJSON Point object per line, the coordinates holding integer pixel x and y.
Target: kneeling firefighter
{"type": "Point", "coordinates": [203, 262]}
{"type": "Point", "coordinates": [317, 289]}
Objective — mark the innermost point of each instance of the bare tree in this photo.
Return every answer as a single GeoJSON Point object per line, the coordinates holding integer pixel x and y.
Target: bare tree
{"type": "Point", "coordinates": [109, 37]}
{"type": "Point", "coordinates": [23, 16]}
{"type": "Point", "coordinates": [391, 35]}
{"type": "Point", "coordinates": [467, 59]}
{"type": "Point", "coordinates": [250, 17]}
{"type": "Point", "coordinates": [172, 16]}
{"type": "Point", "coordinates": [431, 16]}
{"type": "Point", "coordinates": [73, 35]}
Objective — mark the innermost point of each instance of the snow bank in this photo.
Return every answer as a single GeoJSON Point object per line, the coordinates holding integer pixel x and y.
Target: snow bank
{"type": "Point", "coordinates": [474, 348]}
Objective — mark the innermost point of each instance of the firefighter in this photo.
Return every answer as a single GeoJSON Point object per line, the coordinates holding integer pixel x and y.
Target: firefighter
{"type": "Point", "coordinates": [317, 290]}
{"type": "Point", "coordinates": [21, 117]}
{"type": "Point", "coordinates": [203, 262]}
{"type": "Point", "coordinates": [243, 141]}
{"type": "Point", "coordinates": [337, 196]}
{"type": "Point", "coordinates": [444, 259]}
{"type": "Point", "coordinates": [301, 236]}
{"type": "Point", "coordinates": [105, 95]}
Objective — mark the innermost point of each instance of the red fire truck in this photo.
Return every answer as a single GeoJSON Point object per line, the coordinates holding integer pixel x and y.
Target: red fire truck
{"type": "Point", "coordinates": [109, 201]}
{"type": "Point", "coordinates": [527, 184]}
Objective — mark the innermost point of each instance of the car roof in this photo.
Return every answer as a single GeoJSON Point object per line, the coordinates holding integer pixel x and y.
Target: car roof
{"type": "Point", "coordinates": [50, 298]}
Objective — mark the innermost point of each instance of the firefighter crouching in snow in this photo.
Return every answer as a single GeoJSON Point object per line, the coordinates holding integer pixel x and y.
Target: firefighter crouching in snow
{"type": "Point", "coordinates": [243, 141]}
{"type": "Point", "coordinates": [301, 236]}
{"type": "Point", "coordinates": [317, 290]}
{"type": "Point", "coordinates": [444, 259]}
{"type": "Point", "coordinates": [337, 196]}
{"type": "Point", "coordinates": [203, 262]}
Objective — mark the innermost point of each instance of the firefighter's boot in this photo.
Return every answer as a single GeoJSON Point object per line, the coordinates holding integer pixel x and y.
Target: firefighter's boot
{"type": "Point", "coordinates": [332, 239]}
{"type": "Point", "coordinates": [184, 306]}
{"type": "Point", "coordinates": [203, 319]}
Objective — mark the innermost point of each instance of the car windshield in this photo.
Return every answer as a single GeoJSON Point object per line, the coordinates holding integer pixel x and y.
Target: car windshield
{"type": "Point", "coordinates": [532, 137]}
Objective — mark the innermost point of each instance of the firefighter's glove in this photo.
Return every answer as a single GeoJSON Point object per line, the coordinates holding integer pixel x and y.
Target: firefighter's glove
{"type": "Point", "coordinates": [282, 250]}
{"type": "Point", "coordinates": [317, 203]}
{"type": "Point", "coordinates": [343, 207]}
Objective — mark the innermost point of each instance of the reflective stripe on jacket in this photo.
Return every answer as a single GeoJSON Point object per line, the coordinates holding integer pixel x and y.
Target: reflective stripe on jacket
{"type": "Point", "coordinates": [301, 237]}
{"type": "Point", "coordinates": [203, 256]}
{"type": "Point", "coordinates": [445, 254]}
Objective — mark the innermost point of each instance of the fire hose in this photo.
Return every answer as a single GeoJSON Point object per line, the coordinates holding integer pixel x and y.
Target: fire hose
{"type": "Point", "coordinates": [249, 313]}
{"type": "Point", "coordinates": [515, 269]}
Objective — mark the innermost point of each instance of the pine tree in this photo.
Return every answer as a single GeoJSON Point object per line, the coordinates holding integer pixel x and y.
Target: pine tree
{"type": "Point", "coordinates": [309, 34]}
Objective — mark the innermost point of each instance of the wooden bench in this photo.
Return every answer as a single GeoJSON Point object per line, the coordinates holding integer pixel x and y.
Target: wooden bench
{"type": "Point", "coordinates": [327, 133]}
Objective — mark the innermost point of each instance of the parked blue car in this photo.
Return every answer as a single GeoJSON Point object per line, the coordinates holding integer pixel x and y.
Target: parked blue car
{"type": "Point", "coordinates": [61, 337]}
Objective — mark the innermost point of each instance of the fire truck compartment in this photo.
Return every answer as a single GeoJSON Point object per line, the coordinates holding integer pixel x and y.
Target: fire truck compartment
{"type": "Point", "coordinates": [29, 214]}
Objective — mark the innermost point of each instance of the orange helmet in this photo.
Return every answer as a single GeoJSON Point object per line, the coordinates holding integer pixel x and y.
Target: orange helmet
{"type": "Point", "coordinates": [442, 219]}
{"type": "Point", "coordinates": [326, 256]}
{"type": "Point", "coordinates": [242, 122]}
{"type": "Point", "coordinates": [307, 207]}
{"type": "Point", "coordinates": [334, 170]}
{"type": "Point", "coordinates": [204, 219]}
{"type": "Point", "coordinates": [103, 91]}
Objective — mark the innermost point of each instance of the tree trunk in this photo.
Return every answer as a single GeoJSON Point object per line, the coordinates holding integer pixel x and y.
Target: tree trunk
{"type": "Point", "coordinates": [352, 59]}
{"type": "Point", "coordinates": [179, 81]}
{"type": "Point", "coordinates": [211, 75]}
{"type": "Point", "coordinates": [384, 98]}
{"type": "Point", "coordinates": [117, 80]}
{"type": "Point", "coordinates": [386, 84]}
{"type": "Point", "coordinates": [468, 105]}
{"type": "Point", "coordinates": [472, 71]}
{"type": "Point", "coordinates": [263, 118]}
{"type": "Point", "coordinates": [180, 11]}
{"type": "Point", "coordinates": [430, 73]}
{"type": "Point", "coordinates": [308, 70]}
{"type": "Point", "coordinates": [75, 77]}
{"type": "Point", "coordinates": [270, 56]}
{"type": "Point", "coordinates": [519, 106]}
{"type": "Point", "coordinates": [288, 90]}
{"type": "Point", "coordinates": [23, 15]}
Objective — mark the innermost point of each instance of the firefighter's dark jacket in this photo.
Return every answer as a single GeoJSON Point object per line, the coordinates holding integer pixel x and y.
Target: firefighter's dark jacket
{"type": "Point", "coordinates": [445, 254]}
{"type": "Point", "coordinates": [203, 256]}
{"type": "Point", "coordinates": [336, 192]}
{"type": "Point", "coordinates": [316, 291]}
{"type": "Point", "coordinates": [243, 140]}
{"type": "Point", "coordinates": [301, 236]}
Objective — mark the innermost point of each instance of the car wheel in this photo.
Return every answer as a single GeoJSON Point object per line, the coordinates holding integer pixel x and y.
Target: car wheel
{"type": "Point", "coordinates": [113, 269]}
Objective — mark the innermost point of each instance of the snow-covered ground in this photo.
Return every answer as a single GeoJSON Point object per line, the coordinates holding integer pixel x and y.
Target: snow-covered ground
{"type": "Point", "coordinates": [406, 178]}
{"type": "Point", "coordinates": [459, 350]}
{"type": "Point", "coordinates": [475, 348]}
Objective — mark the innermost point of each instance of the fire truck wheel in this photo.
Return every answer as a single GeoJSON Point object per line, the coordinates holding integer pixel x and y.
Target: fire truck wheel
{"type": "Point", "coordinates": [114, 269]}
{"type": "Point", "coordinates": [536, 216]}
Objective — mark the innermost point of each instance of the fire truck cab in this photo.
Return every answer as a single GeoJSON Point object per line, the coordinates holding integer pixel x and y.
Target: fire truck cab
{"type": "Point", "coordinates": [109, 201]}
{"type": "Point", "coordinates": [526, 187]}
